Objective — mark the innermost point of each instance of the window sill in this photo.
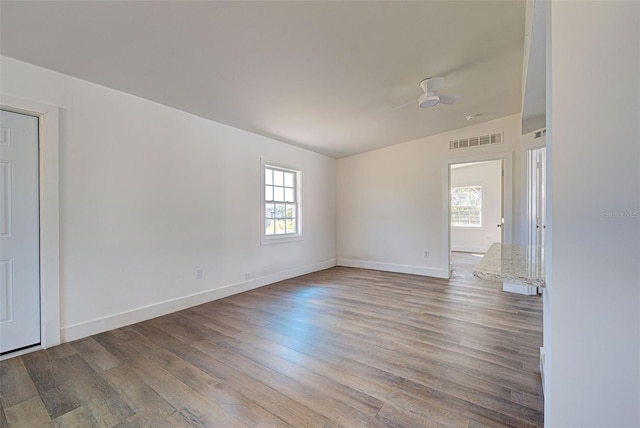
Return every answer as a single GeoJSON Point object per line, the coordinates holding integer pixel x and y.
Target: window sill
{"type": "Point", "coordinates": [275, 239]}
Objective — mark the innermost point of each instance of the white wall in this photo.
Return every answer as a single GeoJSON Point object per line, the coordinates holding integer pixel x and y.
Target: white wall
{"type": "Point", "coordinates": [592, 338]}
{"type": "Point", "coordinates": [390, 201]}
{"type": "Point", "coordinates": [489, 176]}
{"type": "Point", "coordinates": [149, 194]}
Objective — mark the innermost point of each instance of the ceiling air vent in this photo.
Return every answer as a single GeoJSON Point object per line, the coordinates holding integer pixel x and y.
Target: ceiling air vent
{"type": "Point", "coordinates": [540, 133]}
{"type": "Point", "coordinates": [471, 142]}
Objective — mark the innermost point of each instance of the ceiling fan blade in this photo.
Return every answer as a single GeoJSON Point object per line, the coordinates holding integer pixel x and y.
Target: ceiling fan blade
{"type": "Point", "coordinates": [405, 105]}
{"type": "Point", "coordinates": [448, 99]}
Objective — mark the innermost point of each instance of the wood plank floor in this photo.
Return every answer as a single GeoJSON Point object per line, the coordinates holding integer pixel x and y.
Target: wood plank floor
{"type": "Point", "coordinates": [342, 347]}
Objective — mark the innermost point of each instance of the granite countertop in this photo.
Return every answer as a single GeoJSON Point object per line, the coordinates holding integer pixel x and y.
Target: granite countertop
{"type": "Point", "coordinates": [516, 264]}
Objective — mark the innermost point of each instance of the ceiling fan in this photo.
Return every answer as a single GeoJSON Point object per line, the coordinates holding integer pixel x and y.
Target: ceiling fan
{"type": "Point", "coordinates": [430, 97]}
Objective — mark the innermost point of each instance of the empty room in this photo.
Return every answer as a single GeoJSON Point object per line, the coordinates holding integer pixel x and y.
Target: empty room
{"type": "Point", "coordinates": [320, 213]}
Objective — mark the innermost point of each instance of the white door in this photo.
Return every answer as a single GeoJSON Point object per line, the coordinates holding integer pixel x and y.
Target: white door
{"type": "Point", "coordinates": [536, 201]}
{"type": "Point", "coordinates": [19, 232]}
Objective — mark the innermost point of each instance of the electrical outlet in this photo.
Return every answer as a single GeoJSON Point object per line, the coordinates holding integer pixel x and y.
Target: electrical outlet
{"type": "Point", "coordinates": [427, 254]}
{"type": "Point", "coordinates": [248, 275]}
{"type": "Point", "coordinates": [199, 273]}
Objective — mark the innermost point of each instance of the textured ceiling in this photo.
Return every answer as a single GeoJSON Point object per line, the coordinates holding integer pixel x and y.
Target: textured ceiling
{"type": "Point", "coordinates": [326, 76]}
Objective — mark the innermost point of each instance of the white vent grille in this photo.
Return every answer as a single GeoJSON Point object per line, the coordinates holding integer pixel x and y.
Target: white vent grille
{"type": "Point", "coordinates": [539, 134]}
{"type": "Point", "coordinates": [471, 142]}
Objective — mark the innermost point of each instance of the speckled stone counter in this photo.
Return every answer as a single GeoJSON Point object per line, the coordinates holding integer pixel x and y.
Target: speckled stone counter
{"type": "Point", "coordinates": [512, 264]}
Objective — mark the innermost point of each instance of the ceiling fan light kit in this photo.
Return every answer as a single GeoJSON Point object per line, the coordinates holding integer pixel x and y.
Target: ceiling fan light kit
{"type": "Point", "coordinates": [426, 101]}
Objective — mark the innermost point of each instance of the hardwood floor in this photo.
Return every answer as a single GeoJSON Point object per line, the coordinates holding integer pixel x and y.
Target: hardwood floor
{"type": "Point", "coordinates": [342, 347]}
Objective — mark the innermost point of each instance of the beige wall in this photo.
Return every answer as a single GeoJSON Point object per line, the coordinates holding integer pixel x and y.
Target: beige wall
{"type": "Point", "coordinates": [592, 301]}
{"type": "Point", "coordinates": [149, 194]}
{"type": "Point", "coordinates": [392, 202]}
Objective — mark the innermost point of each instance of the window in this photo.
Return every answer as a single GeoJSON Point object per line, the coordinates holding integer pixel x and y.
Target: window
{"type": "Point", "coordinates": [281, 202]}
{"type": "Point", "coordinates": [466, 206]}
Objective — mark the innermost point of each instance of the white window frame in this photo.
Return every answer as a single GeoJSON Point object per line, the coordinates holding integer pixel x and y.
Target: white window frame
{"type": "Point", "coordinates": [276, 239]}
{"type": "Point", "coordinates": [470, 226]}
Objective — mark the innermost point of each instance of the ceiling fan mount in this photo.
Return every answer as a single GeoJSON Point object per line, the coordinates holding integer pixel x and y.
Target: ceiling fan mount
{"type": "Point", "coordinates": [430, 97]}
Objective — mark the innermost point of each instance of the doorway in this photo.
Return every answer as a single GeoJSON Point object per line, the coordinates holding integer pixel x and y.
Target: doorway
{"type": "Point", "coordinates": [502, 224]}
{"type": "Point", "coordinates": [476, 216]}
{"type": "Point", "coordinates": [19, 232]}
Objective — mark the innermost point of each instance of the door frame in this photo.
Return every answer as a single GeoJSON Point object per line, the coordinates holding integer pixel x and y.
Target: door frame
{"type": "Point", "coordinates": [48, 154]}
{"type": "Point", "coordinates": [507, 200]}
{"type": "Point", "coordinates": [537, 143]}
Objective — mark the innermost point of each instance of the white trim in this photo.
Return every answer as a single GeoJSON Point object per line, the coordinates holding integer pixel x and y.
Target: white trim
{"type": "Point", "coordinates": [49, 214]}
{"type": "Point", "coordinates": [528, 144]}
{"type": "Point", "coordinates": [121, 319]}
{"type": "Point", "coordinates": [507, 208]}
{"type": "Point", "coordinates": [392, 267]}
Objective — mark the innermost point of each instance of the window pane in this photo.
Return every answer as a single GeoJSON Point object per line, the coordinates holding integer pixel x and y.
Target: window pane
{"type": "Point", "coordinates": [291, 211]}
{"type": "Point", "coordinates": [278, 178]}
{"type": "Point", "coordinates": [269, 211]}
{"type": "Point", "coordinates": [278, 193]}
{"type": "Point", "coordinates": [289, 179]}
{"type": "Point", "coordinates": [280, 198]}
{"type": "Point", "coordinates": [466, 206]}
{"type": "Point", "coordinates": [269, 227]}
{"type": "Point", "coordinates": [289, 195]}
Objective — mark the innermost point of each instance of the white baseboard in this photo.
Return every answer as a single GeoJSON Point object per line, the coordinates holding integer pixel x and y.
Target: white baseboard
{"type": "Point", "coordinates": [121, 319]}
{"type": "Point", "coordinates": [392, 267]}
